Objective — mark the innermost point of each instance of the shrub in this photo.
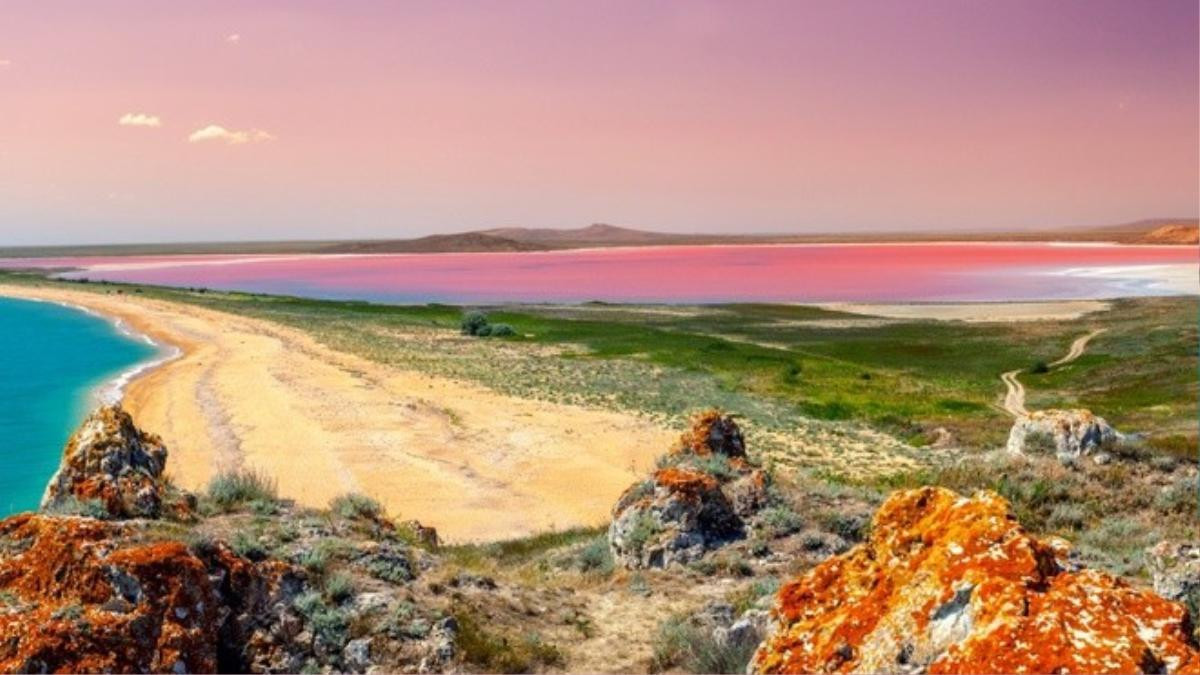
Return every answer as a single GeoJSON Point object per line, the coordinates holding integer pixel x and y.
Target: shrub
{"type": "Point", "coordinates": [231, 489]}
{"type": "Point", "coordinates": [781, 521]}
{"type": "Point", "coordinates": [496, 653]}
{"type": "Point", "coordinates": [338, 588]}
{"type": "Point", "coordinates": [502, 330]}
{"type": "Point", "coordinates": [681, 643]}
{"type": "Point", "coordinates": [73, 506]}
{"type": "Point", "coordinates": [329, 624]}
{"type": "Point", "coordinates": [1067, 516]}
{"type": "Point", "coordinates": [749, 596]}
{"type": "Point", "coordinates": [1039, 367]}
{"type": "Point", "coordinates": [473, 323]}
{"type": "Point", "coordinates": [596, 557]}
{"type": "Point", "coordinates": [248, 546]}
{"type": "Point", "coordinates": [353, 505]}
{"type": "Point", "coordinates": [643, 531]}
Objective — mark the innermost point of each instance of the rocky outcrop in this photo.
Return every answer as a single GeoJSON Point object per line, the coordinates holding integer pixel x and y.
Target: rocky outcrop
{"type": "Point", "coordinates": [1175, 568]}
{"type": "Point", "coordinates": [1072, 434]}
{"type": "Point", "coordinates": [697, 502]}
{"type": "Point", "coordinates": [83, 595]}
{"type": "Point", "coordinates": [947, 584]}
{"type": "Point", "coordinates": [113, 466]}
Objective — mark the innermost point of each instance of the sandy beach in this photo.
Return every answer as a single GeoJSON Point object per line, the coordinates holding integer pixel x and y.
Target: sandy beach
{"type": "Point", "coordinates": [476, 464]}
{"type": "Point", "coordinates": [975, 312]}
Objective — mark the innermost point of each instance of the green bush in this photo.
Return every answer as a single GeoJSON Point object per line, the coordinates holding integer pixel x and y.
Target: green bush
{"type": "Point", "coordinates": [473, 323]}
{"type": "Point", "coordinates": [329, 624]}
{"type": "Point", "coordinates": [596, 557]}
{"type": "Point", "coordinates": [496, 653]}
{"type": "Point", "coordinates": [73, 506]}
{"type": "Point", "coordinates": [502, 330]}
{"type": "Point", "coordinates": [1039, 367]}
{"type": "Point", "coordinates": [680, 643]}
{"type": "Point", "coordinates": [781, 521]}
{"type": "Point", "coordinates": [231, 489]}
{"type": "Point", "coordinates": [339, 588]}
{"type": "Point", "coordinates": [353, 505]}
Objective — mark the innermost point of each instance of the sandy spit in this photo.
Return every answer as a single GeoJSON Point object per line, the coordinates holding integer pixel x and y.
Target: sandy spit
{"type": "Point", "coordinates": [476, 464]}
{"type": "Point", "coordinates": [974, 312]}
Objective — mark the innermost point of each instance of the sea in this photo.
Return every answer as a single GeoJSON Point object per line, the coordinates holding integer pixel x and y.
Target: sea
{"type": "Point", "coordinates": [56, 363]}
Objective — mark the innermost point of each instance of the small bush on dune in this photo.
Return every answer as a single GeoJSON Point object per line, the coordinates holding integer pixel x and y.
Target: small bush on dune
{"type": "Point", "coordinates": [232, 489]}
{"type": "Point", "coordinates": [355, 505]}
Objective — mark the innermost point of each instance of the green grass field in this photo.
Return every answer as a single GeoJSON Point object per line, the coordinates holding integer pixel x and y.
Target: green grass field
{"type": "Point", "coordinates": [777, 363]}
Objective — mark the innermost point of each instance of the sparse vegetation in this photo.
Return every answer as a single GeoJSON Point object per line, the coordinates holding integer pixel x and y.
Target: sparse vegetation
{"type": "Point", "coordinates": [230, 490]}
{"type": "Point", "coordinates": [684, 644]}
{"type": "Point", "coordinates": [354, 505]}
{"type": "Point", "coordinates": [498, 653]}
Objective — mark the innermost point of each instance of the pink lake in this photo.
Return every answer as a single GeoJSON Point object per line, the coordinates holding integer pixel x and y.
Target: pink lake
{"type": "Point", "coordinates": [682, 274]}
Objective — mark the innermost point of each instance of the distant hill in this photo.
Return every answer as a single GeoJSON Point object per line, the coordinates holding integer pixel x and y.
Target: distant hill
{"type": "Point", "coordinates": [467, 242]}
{"type": "Point", "coordinates": [1178, 231]}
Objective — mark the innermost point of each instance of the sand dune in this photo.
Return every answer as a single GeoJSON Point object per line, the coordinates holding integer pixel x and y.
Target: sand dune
{"type": "Point", "coordinates": [476, 464]}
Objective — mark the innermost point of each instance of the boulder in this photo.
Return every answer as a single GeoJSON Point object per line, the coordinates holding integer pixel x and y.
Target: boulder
{"type": "Point", "coordinates": [1175, 569]}
{"type": "Point", "coordinates": [699, 501]}
{"type": "Point", "coordinates": [948, 584]}
{"type": "Point", "coordinates": [713, 432]}
{"type": "Point", "coordinates": [1072, 433]}
{"type": "Point", "coordinates": [111, 464]}
{"type": "Point", "coordinates": [82, 595]}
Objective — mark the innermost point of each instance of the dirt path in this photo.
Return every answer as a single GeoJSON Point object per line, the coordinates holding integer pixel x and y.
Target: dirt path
{"type": "Point", "coordinates": [1014, 395]}
{"type": "Point", "coordinates": [476, 464]}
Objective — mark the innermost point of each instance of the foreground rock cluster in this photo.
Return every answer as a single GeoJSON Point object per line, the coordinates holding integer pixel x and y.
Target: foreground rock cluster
{"type": "Point", "coordinates": [122, 572]}
{"type": "Point", "coordinates": [701, 497]}
{"type": "Point", "coordinates": [948, 584]}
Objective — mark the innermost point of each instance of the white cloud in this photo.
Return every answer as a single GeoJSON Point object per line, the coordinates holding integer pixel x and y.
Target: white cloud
{"type": "Point", "coordinates": [233, 38]}
{"type": "Point", "coordinates": [139, 120]}
{"type": "Point", "coordinates": [216, 132]}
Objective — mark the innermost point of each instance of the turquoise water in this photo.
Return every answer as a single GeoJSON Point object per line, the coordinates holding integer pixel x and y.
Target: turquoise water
{"type": "Point", "coordinates": [52, 361]}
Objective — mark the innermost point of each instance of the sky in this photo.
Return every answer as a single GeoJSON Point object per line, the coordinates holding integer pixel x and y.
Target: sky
{"type": "Point", "coordinates": [189, 121]}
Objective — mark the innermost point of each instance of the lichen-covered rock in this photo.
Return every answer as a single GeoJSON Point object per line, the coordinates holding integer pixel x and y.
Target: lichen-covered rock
{"type": "Point", "coordinates": [713, 432]}
{"type": "Point", "coordinates": [82, 595]}
{"type": "Point", "coordinates": [947, 584]}
{"type": "Point", "coordinates": [110, 462]}
{"type": "Point", "coordinates": [1073, 433]}
{"type": "Point", "coordinates": [698, 502]}
{"type": "Point", "coordinates": [683, 515]}
{"type": "Point", "coordinates": [1175, 568]}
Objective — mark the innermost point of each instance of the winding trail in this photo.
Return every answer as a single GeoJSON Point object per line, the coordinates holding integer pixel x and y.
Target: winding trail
{"type": "Point", "coordinates": [1014, 395]}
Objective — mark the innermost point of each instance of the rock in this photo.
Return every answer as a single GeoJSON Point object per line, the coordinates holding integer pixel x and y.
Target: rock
{"type": "Point", "coordinates": [1072, 433]}
{"type": "Point", "coordinates": [93, 599]}
{"type": "Point", "coordinates": [1175, 569]}
{"type": "Point", "coordinates": [110, 462]}
{"type": "Point", "coordinates": [748, 630]}
{"type": "Point", "coordinates": [357, 655]}
{"type": "Point", "coordinates": [947, 584]}
{"type": "Point", "coordinates": [713, 433]}
{"type": "Point", "coordinates": [684, 515]}
{"type": "Point", "coordinates": [699, 501]}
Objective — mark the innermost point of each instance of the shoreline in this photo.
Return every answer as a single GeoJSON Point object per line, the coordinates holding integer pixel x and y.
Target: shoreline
{"type": "Point", "coordinates": [112, 390]}
{"type": "Point", "coordinates": [476, 464]}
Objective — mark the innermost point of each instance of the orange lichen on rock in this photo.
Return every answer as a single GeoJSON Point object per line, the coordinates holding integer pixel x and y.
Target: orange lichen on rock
{"type": "Point", "coordinates": [951, 584]}
{"type": "Point", "coordinates": [83, 595]}
{"type": "Point", "coordinates": [687, 483]}
{"type": "Point", "coordinates": [712, 431]}
{"type": "Point", "coordinates": [110, 462]}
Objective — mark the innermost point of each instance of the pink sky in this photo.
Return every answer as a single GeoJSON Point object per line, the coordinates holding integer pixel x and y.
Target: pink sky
{"type": "Point", "coordinates": [393, 119]}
